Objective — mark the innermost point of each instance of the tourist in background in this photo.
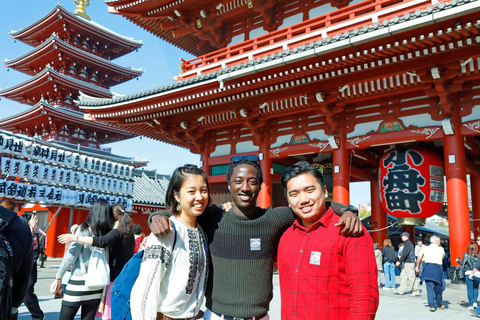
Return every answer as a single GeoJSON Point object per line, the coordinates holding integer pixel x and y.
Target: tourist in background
{"type": "Point", "coordinates": [469, 260]}
{"type": "Point", "coordinates": [407, 257]}
{"type": "Point", "coordinates": [98, 223]}
{"type": "Point", "coordinates": [137, 233]}
{"type": "Point", "coordinates": [121, 244]}
{"type": "Point", "coordinates": [432, 272]}
{"type": "Point", "coordinates": [418, 248]}
{"type": "Point", "coordinates": [388, 253]}
{"type": "Point", "coordinates": [379, 260]}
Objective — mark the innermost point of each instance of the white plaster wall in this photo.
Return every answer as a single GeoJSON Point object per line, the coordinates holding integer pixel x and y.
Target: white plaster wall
{"type": "Point", "coordinates": [321, 10]}
{"type": "Point", "coordinates": [317, 134]}
{"type": "Point", "coordinates": [363, 128]}
{"type": "Point", "coordinates": [246, 146]}
{"type": "Point", "coordinates": [282, 140]}
{"type": "Point", "coordinates": [257, 32]}
{"type": "Point", "coordinates": [237, 39]}
{"type": "Point", "coordinates": [287, 22]}
{"type": "Point", "coordinates": [221, 150]}
{"type": "Point", "coordinates": [475, 115]}
{"type": "Point", "coordinates": [420, 120]}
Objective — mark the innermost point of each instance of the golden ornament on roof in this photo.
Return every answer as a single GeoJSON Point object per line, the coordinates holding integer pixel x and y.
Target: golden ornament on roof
{"type": "Point", "coordinates": [81, 4]}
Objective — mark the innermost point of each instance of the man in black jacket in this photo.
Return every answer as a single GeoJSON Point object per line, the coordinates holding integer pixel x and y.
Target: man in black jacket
{"type": "Point", "coordinates": [17, 262]}
{"type": "Point", "coordinates": [408, 270]}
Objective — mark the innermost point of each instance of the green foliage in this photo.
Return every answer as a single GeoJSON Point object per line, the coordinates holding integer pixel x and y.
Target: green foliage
{"type": "Point", "coordinates": [362, 214]}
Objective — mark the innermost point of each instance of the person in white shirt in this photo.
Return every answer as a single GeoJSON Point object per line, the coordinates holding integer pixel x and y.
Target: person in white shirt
{"type": "Point", "coordinates": [432, 272]}
{"type": "Point", "coordinates": [418, 248]}
{"type": "Point", "coordinates": [173, 273]}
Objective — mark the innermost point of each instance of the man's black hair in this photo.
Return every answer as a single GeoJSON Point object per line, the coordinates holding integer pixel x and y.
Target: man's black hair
{"type": "Point", "coordinates": [245, 161]}
{"type": "Point", "coordinates": [301, 167]}
{"type": "Point", "coordinates": [137, 229]}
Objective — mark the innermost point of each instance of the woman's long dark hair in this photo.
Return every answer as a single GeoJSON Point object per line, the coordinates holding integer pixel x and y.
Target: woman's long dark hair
{"type": "Point", "coordinates": [124, 219]}
{"type": "Point", "coordinates": [472, 249]}
{"type": "Point", "coordinates": [99, 219]}
{"type": "Point", "coordinates": [178, 178]}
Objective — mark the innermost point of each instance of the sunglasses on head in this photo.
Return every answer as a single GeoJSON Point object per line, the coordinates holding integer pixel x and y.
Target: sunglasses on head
{"type": "Point", "coordinates": [252, 158]}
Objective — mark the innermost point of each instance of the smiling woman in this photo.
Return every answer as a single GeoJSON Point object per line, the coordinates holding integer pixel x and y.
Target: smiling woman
{"type": "Point", "coordinates": [173, 273]}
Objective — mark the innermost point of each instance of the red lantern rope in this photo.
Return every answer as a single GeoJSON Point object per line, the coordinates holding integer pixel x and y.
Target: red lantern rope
{"type": "Point", "coordinates": [376, 230]}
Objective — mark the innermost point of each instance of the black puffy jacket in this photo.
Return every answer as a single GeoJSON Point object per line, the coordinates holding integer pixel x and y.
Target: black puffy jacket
{"type": "Point", "coordinates": [19, 236]}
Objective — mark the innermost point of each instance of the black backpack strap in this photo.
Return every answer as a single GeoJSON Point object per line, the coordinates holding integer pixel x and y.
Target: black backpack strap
{"type": "Point", "coordinates": [174, 236]}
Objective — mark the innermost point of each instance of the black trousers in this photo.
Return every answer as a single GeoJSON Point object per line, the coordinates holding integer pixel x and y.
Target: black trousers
{"type": "Point", "coordinates": [31, 299]}
{"type": "Point", "coordinates": [88, 312]}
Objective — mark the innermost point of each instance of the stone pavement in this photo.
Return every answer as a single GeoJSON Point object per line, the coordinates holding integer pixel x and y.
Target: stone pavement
{"type": "Point", "coordinates": [392, 306]}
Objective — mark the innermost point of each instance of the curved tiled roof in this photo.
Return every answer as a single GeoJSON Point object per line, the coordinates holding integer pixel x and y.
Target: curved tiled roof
{"type": "Point", "coordinates": [83, 55]}
{"type": "Point", "coordinates": [86, 86]}
{"type": "Point", "coordinates": [366, 30]}
{"type": "Point", "coordinates": [97, 26]}
{"type": "Point", "coordinates": [149, 187]}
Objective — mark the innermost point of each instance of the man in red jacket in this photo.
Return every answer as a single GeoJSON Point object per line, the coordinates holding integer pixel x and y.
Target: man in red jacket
{"type": "Point", "coordinates": [323, 274]}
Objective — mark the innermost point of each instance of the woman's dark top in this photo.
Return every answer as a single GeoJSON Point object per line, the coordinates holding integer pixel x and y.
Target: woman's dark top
{"type": "Point", "coordinates": [121, 250]}
{"type": "Point", "coordinates": [388, 254]}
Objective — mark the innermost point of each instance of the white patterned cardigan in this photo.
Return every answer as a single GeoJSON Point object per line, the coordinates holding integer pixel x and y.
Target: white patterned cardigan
{"type": "Point", "coordinates": [171, 283]}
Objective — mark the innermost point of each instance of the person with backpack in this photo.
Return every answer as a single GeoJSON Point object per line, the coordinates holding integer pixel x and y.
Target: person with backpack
{"type": "Point", "coordinates": [121, 245]}
{"type": "Point", "coordinates": [16, 262]}
{"type": "Point", "coordinates": [172, 276]}
{"type": "Point", "coordinates": [78, 294]}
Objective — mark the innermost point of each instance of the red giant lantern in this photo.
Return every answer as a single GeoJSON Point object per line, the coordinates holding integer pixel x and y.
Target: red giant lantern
{"type": "Point", "coordinates": [411, 184]}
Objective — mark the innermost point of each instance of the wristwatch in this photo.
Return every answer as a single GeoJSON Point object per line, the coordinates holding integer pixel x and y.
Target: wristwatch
{"type": "Point", "coordinates": [351, 209]}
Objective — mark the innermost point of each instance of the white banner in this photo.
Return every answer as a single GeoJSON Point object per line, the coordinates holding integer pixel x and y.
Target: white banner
{"type": "Point", "coordinates": [24, 169]}
{"type": "Point", "coordinates": [11, 190]}
{"type": "Point", "coordinates": [14, 167]}
{"type": "Point", "coordinates": [21, 191]}
{"type": "Point", "coordinates": [31, 192]}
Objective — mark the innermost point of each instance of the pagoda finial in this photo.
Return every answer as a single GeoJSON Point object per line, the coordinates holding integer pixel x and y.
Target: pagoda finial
{"type": "Point", "coordinates": [81, 4]}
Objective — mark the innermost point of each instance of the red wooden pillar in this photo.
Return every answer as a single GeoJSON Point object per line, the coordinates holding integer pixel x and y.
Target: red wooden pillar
{"type": "Point", "coordinates": [475, 191]}
{"type": "Point", "coordinates": [457, 196]}
{"type": "Point", "coordinates": [205, 156]}
{"type": "Point", "coordinates": [341, 170]}
{"type": "Point", "coordinates": [379, 216]}
{"type": "Point", "coordinates": [411, 231]}
{"type": "Point", "coordinates": [265, 196]}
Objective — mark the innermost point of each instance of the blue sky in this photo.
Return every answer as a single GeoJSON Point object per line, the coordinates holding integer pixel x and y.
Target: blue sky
{"type": "Point", "coordinates": [159, 60]}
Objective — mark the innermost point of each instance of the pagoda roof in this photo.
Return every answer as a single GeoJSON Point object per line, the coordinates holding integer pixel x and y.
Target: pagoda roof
{"type": "Point", "coordinates": [55, 20]}
{"type": "Point", "coordinates": [353, 66]}
{"type": "Point", "coordinates": [44, 113]}
{"type": "Point", "coordinates": [41, 55]}
{"type": "Point", "coordinates": [45, 82]}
